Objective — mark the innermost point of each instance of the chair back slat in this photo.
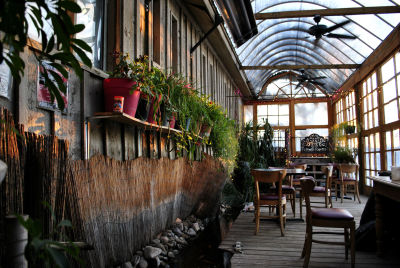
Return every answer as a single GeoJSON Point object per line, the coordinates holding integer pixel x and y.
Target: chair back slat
{"type": "Point", "coordinates": [307, 185]}
{"type": "Point", "coordinates": [268, 176]}
{"type": "Point", "coordinates": [348, 170]}
{"type": "Point", "coordinates": [328, 170]}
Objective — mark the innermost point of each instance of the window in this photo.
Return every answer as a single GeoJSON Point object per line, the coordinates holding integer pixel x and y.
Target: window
{"type": "Point", "coordinates": [392, 149]}
{"type": "Point", "coordinates": [204, 76]}
{"type": "Point", "coordinates": [174, 45]}
{"type": "Point", "coordinates": [156, 31]}
{"type": "Point", "coordinates": [339, 111]}
{"type": "Point", "coordinates": [279, 140]}
{"type": "Point", "coordinates": [276, 114]}
{"type": "Point", "coordinates": [301, 134]}
{"type": "Point", "coordinates": [248, 113]}
{"type": "Point", "coordinates": [92, 16]}
{"type": "Point", "coordinates": [370, 102]}
{"type": "Point", "coordinates": [311, 114]}
{"type": "Point", "coordinates": [390, 89]}
{"type": "Point", "coordinates": [372, 156]}
{"type": "Point", "coordinates": [47, 27]}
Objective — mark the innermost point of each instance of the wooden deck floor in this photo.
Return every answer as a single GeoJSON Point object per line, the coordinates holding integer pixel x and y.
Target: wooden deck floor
{"type": "Point", "coordinates": [269, 249]}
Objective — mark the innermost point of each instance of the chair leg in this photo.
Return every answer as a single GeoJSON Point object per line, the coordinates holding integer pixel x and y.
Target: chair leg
{"type": "Point", "coordinates": [353, 244]}
{"type": "Point", "coordinates": [257, 215]}
{"type": "Point", "coordinates": [342, 192]}
{"type": "Point", "coordinates": [281, 220]}
{"type": "Point", "coordinates": [301, 206]}
{"type": "Point", "coordinates": [358, 193]}
{"type": "Point", "coordinates": [326, 201]}
{"type": "Point", "coordinates": [307, 247]}
{"type": "Point", "coordinates": [346, 242]}
{"type": "Point", "coordinates": [336, 190]}
{"type": "Point", "coordinates": [294, 203]}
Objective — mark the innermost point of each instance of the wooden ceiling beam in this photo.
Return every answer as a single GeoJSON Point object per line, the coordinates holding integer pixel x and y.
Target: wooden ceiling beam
{"type": "Point", "coordinates": [328, 12]}
{"type": "Point", "coordinates": [295, 67]}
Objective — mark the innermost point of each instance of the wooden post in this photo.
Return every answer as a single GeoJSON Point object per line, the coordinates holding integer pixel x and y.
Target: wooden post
{"type": "Point", "coordinates": [361, 162]}
{"type": "Point", "coordinates": [292, 128]}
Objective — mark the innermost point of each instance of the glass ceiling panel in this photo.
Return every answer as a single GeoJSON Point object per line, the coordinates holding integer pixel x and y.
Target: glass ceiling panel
{"type": "Point", "coordinates": [287, 41]}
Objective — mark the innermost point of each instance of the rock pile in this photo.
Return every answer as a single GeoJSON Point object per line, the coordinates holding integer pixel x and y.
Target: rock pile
{"type": "Point", "coordinates": [168, 244]}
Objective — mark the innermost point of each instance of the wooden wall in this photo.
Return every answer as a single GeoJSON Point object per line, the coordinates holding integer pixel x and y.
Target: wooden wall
{"type": "Point", "coordinates": [126, 31]}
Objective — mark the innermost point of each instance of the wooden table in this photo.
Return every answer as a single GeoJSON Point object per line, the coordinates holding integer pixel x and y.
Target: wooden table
{"type": "Point", "coordinates": [383, 186]}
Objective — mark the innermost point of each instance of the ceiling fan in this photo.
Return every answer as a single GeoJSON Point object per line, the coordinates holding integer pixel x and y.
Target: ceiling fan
{"type": "Point", "coordinates": [320, 30]}
{"type": "Point", "coordinates": [305, 78]}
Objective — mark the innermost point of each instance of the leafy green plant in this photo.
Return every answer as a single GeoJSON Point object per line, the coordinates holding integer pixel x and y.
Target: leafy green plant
{"type": "Point", "coordinates": [59, 48]}
{"type": "Point", "coordinates": [45, 252]}
{"type": "Point", "coordinates": [265, 156]}
{"type": "Point", "coordinates": [343, 155]}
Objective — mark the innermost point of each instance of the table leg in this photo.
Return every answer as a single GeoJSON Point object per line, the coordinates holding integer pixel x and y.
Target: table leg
{"type": "Point", "coordinates": [379, 225]}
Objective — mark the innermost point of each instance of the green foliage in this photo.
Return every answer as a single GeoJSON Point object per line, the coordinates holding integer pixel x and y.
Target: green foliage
{"type": "Point", "coordinates": [43, 252]}
{"type": "Point", "coordinates": [59, 47]}
{"type": "Point", "coordinates": [264, 156]}
{"type": "Point", "coordinates": [243, 181]}
{"type": "Point", "coordinates": [343, 155]}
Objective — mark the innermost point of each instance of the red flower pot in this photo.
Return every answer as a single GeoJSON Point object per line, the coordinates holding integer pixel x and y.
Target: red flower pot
{"type": "Point", "coordinates": [121, 87]}
{"type": "Point", "coordinates": [155, 116]}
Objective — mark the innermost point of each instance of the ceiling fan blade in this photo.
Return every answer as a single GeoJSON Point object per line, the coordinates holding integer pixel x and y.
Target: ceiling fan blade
{"type": "Point", "coordinates": [342, 36]}
{"type": "Point", "coordinates": [298, 85]}
{"type": "Point", "coordinates": [317, 83]}
{"type": "Point", "coordinates": [318, 77]}
{"type": "Point", "coordinates": [336, 26]}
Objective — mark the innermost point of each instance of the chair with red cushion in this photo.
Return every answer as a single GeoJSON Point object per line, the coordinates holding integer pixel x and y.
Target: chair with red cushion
{"type": "Point", "coordinates": [321, 191]}
{"type": "Point", "coordinates": [326, 217]}
{"type": "Point", "coordinates": [270, 199]}
{"type": "Point", "coordinates": [348, 176]}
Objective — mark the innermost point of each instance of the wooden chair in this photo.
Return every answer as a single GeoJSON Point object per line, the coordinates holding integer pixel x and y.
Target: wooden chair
{"type": "Point", "coordinates": [321, 191]}
{"type": "Point", "coordinates": [275, 199]}
{"type": "Point", "coordinates": [348, 176]}
{"type": "Point", "coordinates": [289, 191]}
{"type": "Point", "coordinates": [326, 217]}
{"type": "Point", "coordinates": [295, 181]}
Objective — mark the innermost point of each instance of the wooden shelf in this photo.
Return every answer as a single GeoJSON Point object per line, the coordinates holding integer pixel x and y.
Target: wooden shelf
{"type": "Point", "coordinates": [129, 120]}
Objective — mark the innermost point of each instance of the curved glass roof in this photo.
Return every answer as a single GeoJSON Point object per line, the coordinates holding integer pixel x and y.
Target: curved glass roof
{"type": "Point", "coordinates": [286, 41]}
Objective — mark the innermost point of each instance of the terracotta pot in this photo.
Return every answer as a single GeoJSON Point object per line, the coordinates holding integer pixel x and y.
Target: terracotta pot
{"type": "Point", "coordinates": [120, 87]}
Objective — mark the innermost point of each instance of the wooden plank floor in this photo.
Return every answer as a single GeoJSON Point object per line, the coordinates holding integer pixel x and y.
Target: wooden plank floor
{"type": "Point", "coordinates": [269, 249]}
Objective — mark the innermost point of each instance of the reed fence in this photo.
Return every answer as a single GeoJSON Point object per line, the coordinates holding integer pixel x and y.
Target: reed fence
{"type": "Point", "coordinates": [120, 206]}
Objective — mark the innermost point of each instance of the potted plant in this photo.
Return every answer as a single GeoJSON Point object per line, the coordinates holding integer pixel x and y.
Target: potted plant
{"type": "Point", "coordinates": [349, 129]}
{"type": "Point", "coordinates": [128, 79]}
{"type": "Point", "coordinates": [343, 155]}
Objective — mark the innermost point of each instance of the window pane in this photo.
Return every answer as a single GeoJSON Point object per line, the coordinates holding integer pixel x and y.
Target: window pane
{"type": "Point", "coordinates": [284, 109]}
{"type": "Point", "coordinates": [374, 84]}
{"type": "Point", "coordinates": [391, 112]}
{"type": "Point", "coordinates": [397, 60]}
{"type": "Point", "coordinates": [387, 70]}
{"type": "Point", "coordinates": [300, 134]}
{"type": "Point", "coordinates": [311, 113]}
{"type": "Point", "coordinates": [248, 113]}
{"type": "Point", "coordinates": [378, 161]}
{"type": "Point", "coordinates": [366, 144]}
{"type": "Point", "coordinates": [397, 158]}
{"type": "Point", "coordinates": [389, 159]}
{"type": "Point", "coordinates": [92, 17]}
{"type": "Point", "coordinates": [367, 161]}
{"type": "Point", "coordinates": [396, 139]}
{"type": "Point", "coordinates": [262, 110]}
{"type": "Point", "coordinates": [388, 140]}
{"type": "Point", "coordinates": [389, 91]}
{"type": "Point", "coordinates": [273, 120]}
{"type": "Point", "coordinates": [376, 118]}
{"type": "Point", "coordinates": [377, 142]}
{"type": "Point", "coordinates": [273, 109]}
{"type": "Point", "coordinates": [284, 120]}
